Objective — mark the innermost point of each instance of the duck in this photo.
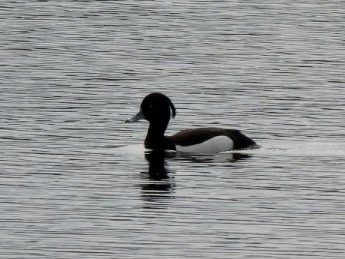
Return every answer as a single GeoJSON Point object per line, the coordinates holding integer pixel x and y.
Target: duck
{"type": "Point", "coordinates": [157, 109]}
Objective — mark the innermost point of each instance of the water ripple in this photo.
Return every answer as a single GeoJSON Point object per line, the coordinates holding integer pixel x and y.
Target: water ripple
{"type": "Point", "coordinates": [77, 182]}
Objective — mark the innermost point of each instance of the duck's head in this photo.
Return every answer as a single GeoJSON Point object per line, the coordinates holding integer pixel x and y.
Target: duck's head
{"type": "Point", "coordinates": [155, 108]}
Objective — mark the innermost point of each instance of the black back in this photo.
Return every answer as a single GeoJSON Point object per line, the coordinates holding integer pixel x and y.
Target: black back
{"type": "Point", "coordinates": [199, 135]}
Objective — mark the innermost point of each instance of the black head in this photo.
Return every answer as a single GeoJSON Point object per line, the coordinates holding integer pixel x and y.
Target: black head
{"type": "Point", "coordinates": [155, 108]}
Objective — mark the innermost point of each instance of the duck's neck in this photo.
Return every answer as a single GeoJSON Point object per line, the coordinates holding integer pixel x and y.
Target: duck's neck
{"type": "Point", "coordinates": [155, 136]}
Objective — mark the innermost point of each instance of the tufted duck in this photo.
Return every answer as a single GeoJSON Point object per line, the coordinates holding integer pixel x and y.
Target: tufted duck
{"type": "Point", "coordinates": [157, 109]}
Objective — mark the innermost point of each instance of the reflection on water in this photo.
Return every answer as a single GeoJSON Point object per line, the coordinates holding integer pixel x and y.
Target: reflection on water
{"type": "Point", "coordinates": [156, 164]}
{"type": "Point", "coordinates": [226, 157]}
{"type": "Point", "coordinates": [158, 182]}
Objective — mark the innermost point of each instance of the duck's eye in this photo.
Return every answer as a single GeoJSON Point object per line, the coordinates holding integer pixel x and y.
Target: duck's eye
{"type": "Point", "coordinates": [151, 106]}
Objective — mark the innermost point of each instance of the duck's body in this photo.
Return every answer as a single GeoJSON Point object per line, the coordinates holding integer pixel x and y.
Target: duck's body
{"type": "Point", "coordinates": [156, 109]}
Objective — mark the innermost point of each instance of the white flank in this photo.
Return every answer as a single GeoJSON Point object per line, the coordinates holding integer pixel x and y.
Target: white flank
{"type": "Point", "coordinates": [213, 145]}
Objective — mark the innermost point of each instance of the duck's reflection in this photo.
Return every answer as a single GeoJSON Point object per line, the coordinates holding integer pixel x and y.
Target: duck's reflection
{"type": "Point", "coordinates": [157, 167]}
{"type": "Point", "coordinates": [159, 180]}
{"type": "Point", "coordinates": [228, 157]}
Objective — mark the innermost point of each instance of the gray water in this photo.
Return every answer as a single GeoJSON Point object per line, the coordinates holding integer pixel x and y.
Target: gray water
{"type": "Point", "coordinates": [76, 181]}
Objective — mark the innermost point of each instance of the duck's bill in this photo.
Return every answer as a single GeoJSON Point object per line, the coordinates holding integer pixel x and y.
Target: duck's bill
{"type": "Point", "coordinates": [137, 117]}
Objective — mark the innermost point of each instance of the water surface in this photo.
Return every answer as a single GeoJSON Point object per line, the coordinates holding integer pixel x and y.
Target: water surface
{"type": "Point", "coordinates": [76, 181]}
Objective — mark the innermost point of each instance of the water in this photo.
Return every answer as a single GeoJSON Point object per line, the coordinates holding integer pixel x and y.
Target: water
{"type": "Point", "coordinates": [75, 180]}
